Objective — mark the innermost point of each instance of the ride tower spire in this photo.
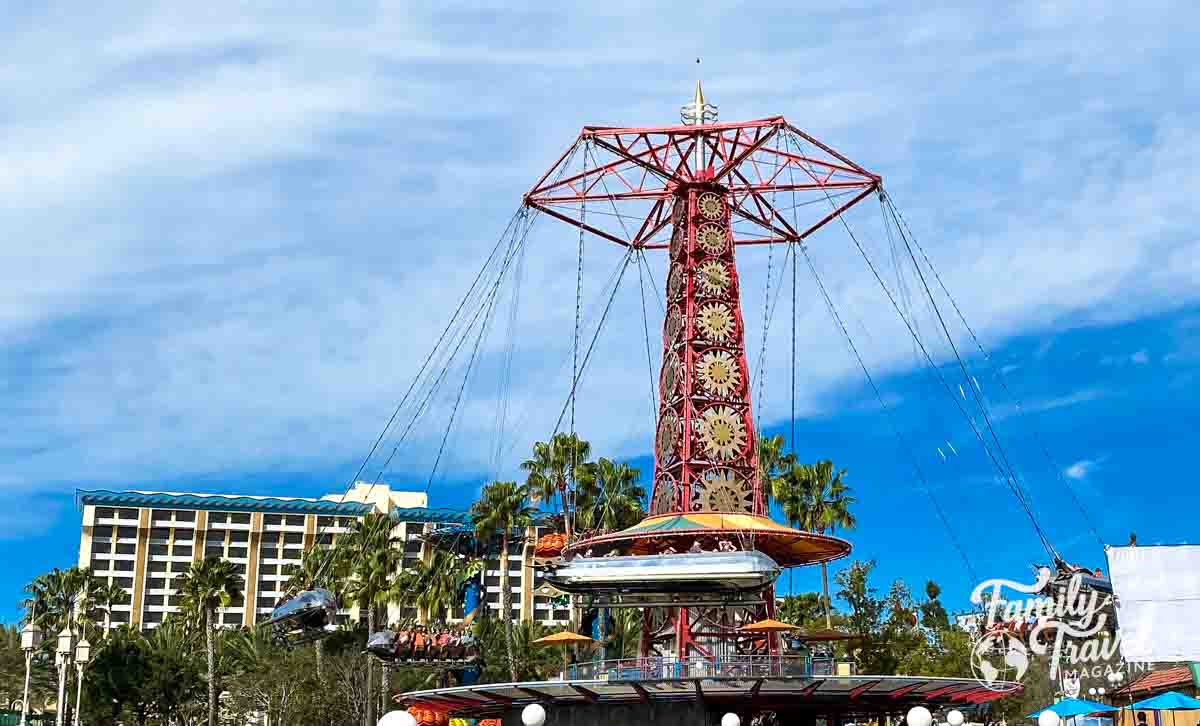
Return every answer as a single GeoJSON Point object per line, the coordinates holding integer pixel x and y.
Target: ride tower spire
{"type": "Point", "coordinates": [700, 190]}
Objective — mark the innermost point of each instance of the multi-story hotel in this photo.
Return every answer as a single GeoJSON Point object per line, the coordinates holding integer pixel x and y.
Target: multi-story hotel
{"type": "Point", "coordinates": [142, 540]}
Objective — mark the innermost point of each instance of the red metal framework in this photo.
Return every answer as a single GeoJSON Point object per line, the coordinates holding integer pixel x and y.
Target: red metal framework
{"type": "Point", "coordinates": [630, 177]}
{"type": "Point", "coordinates": [699, 191]}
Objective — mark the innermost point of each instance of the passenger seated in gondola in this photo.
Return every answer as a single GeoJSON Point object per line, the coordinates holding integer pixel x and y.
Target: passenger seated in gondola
{"type": "Point", "coordinates": [696, 548]}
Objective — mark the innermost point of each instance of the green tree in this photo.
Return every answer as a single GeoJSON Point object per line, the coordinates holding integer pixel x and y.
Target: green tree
{"type": "Point", "coordinates": [610, 497]}
{"type": "Point", "coordinates": [553, 467]}
{"type": "Point", "coordinates": [828, 502]}
{"type": "Point", "coordinates": [209, 584]}
{"type": "Point", "coordinates": [436, 586]}
{"type": "Point", "coordinates": [370, 561]}
{"type": "Point", "coordinates": [773, 461]}
{"type": "Point", "coordinates": [804, 609]}
{"type": "Point", "coordinates": [503, 508]}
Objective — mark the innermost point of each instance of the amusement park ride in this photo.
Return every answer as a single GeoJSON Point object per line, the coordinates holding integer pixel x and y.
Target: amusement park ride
{"type": "Point", "coordinates": [703, 563]}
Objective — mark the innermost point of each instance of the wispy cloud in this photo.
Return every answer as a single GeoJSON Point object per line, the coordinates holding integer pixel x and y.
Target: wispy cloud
{"type": "Point", "coordinates": [232, 233]}
{"type": "Point", "coordinates": [1080, 469]}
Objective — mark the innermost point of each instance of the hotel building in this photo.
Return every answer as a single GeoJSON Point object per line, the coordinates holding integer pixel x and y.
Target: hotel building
{"type": "Point", "coordinates": [142, 540]}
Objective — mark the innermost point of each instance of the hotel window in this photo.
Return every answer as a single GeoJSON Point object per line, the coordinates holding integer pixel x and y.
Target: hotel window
{"type": "Point", "coordinates": [185, 516]}
{"type": "Point", "coordinates": [272, 520]}
{"type": "Point", "coordinates": [239, 518]}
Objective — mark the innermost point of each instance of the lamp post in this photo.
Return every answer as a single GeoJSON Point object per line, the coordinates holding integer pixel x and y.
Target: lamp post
{"type": "Point", "coordinates": [31, 638]}
{"type": "Point", "coordinates": [66, 643]}
{"type": "Point", "coordinates": [83, 653]}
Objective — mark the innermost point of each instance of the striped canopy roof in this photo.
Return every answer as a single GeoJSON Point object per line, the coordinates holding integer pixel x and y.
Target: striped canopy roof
{"type": "Point", "coordinates": [654, 535]}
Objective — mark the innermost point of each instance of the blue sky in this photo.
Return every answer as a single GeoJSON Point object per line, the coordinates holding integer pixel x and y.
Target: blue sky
{"type": "Point", "coordinates": [231, 234]}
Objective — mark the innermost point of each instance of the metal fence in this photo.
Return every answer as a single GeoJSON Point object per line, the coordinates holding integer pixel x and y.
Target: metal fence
{"type": "Point", "coordinates": [736, 666]}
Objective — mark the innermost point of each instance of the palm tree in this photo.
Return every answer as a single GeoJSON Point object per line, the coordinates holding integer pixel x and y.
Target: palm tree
{"type": "Point", "coordinates": [104, 596]}
{"type": "Point", "coordinates": [610, 497]}
{"type": "Point", "coordinates": [503, 508]}
{"type": "Point", "coordinates": [552, 466]}
{"type": "Point", "coordinates": [773, 461]}
{"type": "Point", "coordinates": [828, 508]}
{"type": "Point", "coordinates": [436, 586]}
{"type": "Point", "coordinates": [370, 562]}
{"type": "Point", "coordinates": [209, 584]}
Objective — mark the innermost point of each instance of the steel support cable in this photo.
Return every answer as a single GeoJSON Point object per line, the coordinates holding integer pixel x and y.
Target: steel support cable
{"type": "Point", "coordinates": [1012, 483]}
{"type": "Point", "coordinates": [518, 243]}
{"type": "Point", "coordinates": [505, 385]}
{"type": "Point", "coordinates": [522, 214]}
{"type": "Point", "coordinates": [646, 331]}
{"type": "Point", "coordinates": [593, 313]}
{"type": "Point", "coordinates": [514, 220]}
{"type": "Point", "coordinates": [795, 225]}
{"type": "Point", "coordinates": [578, 311]}
{"type": "Point", "coordinates": [484, 327]}
{"type": "Point", "coordinates": [592, 345]}
{"type": "Point", "coordinates": [758, 372]}
{"type": "Point", "coordinates": [903, 228]}
{"type": "Point", "coordinates": [925, 487]}
{"type": "Point", "coordinates": [975, 394]}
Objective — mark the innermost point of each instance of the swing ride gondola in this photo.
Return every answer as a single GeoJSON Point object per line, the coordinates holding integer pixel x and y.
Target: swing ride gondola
{"type": "Point", "coordinates": [703, 563]}
{"type": "Point", "coordinates": [309, 615]}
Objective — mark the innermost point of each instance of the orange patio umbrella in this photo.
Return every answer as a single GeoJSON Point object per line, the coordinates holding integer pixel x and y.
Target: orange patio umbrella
{"type": "Point", "coordinates": [768, 626]}
{"type": "Point", "coordinates": [566, 637]}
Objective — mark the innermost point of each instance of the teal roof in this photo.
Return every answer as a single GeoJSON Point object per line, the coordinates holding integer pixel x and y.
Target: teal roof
{"type": "Point", "coordinates": [425, 514]}
{"type": "Point", "coordinates": [220, 503]}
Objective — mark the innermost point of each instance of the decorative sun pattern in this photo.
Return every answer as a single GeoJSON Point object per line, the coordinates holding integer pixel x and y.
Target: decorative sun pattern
{"type": "Point", "coordinates": [674, 325]}
{"type": "Point", "coordinates": [667, 434]}
{"type": "Point", "coordinates": [670, 376]}
{"type": "Point", "coordinates": [664, 496]}
{"type": "Point", "coordinates": [675, 281]}
{"type": "Point", "coordinates": [720, 373]}
{"type": "Point", "coordinates": [712, 238]}
{"type": "Point", "coordinates": [677, 239]}
{"type": "Point", "coordinates": [713, 277]}
{"type": "Point", "coordinates": [715, 321]}
{"type": "Point", "coordinates": [710, 205]}
{"type": "Point", "coordinates": [722, 431]}
{"type": "Point", "coordinates": [721, 491]}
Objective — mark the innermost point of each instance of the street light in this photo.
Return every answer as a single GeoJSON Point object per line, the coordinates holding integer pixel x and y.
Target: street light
{"type": "Point", "coordinates": [31, 638]}
{"type": "Point", "coordinates": [66, 643]}
{"type": "Point", "coordinates": [83, 653]}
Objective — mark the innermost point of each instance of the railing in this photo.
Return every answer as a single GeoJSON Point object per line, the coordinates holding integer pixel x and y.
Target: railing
{"type": "Point", "coordinates": [734, 666]}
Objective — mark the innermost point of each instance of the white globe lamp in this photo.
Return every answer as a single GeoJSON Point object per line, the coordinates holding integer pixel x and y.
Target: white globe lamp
{"type": "Point", "coordinates": [398, 718]}
{"type": "Point", "coordinates": [1091, 691]}
{"type": "Point", "coordinates": [1100, 691]}
{"type": "Point", "coordinates": [1048, 718]}
{"type": "Point", "coordinates": [919, 716]}
{"type": "Point", "coordinates": [731, 719]}
{"type": "Point", "coordinates": [955, 718]}
{"type": "Point", "coordinates": [533, 715]}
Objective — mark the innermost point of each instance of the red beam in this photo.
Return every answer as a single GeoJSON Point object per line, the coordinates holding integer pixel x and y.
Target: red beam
{"type": "Point", "coordinates": [859, 690]}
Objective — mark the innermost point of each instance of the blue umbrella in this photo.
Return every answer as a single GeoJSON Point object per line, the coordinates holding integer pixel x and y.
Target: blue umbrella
{"type": "Point", "coordinates": [1069, 707]}
{"type": "Point", "coordinates": [1169, 701]}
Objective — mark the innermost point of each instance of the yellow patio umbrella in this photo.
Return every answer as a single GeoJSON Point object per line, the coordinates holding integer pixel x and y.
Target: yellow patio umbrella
{"type": "Point", "coordinates": [566, 637]}
{"type": "Point", "coordinates": [769, 626]}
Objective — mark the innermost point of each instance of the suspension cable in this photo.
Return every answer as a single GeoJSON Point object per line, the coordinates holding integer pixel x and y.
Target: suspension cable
{"type": "Point", "coordinates": [888, 414]}
{"type": "Point", "coordinates": [903, 228]}
{"type": "Point", "coordinates": [1011, 481]}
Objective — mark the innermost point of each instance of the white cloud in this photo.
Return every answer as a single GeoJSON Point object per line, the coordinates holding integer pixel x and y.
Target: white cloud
{"type": "Point", "coordinates": [1081, 469]}
{"type": "Point", "coordinates": [232, 234]}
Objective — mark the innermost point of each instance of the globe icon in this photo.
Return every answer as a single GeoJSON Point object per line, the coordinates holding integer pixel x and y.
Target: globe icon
{"type": "Point", "coordinates": [999, 661]}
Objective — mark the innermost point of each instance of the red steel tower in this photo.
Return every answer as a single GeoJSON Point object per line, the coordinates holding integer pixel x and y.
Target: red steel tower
{"type": "Point", "coordinates": [699, 191]}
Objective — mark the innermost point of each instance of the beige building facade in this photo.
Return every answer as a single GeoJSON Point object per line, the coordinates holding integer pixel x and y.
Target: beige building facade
{"type": "Point", "coordinates": [143, 540]}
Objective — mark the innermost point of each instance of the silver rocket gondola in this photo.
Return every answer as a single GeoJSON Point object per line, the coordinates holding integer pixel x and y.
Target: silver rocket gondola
{"type": "Point", "coordinates": [726, 572]}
